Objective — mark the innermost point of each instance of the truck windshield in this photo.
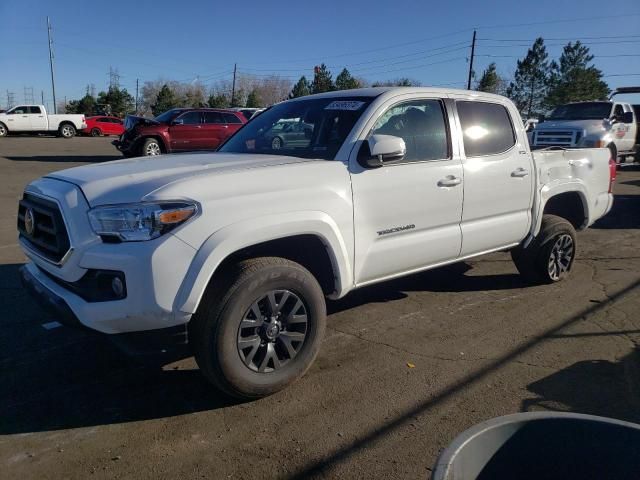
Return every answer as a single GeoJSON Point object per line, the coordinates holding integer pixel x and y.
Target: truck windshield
{"type": "Point", "coordinates": [313, 128]}
{"type": "Point", "coordinates": [582, 111]}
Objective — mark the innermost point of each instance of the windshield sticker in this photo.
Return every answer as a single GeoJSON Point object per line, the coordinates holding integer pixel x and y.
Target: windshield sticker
{"type": "Point", "coordinates": [344, 105]}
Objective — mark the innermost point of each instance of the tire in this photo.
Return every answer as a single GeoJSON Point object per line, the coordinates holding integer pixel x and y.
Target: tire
{"type": "Point", "coordinates": [95, 132]}
{"type": "Point", "coordinates": [67, 130]}
{"type": "Point", "coordinates": [239, 297]}
{"type": "Point", "coordinates": [550, 256]}
{"type": "Point", "coordinates": [4, 131]}
{"type": "Point", "coordinates": [150, 147]}
{"type": "Point", "coordinates": [276, 143]}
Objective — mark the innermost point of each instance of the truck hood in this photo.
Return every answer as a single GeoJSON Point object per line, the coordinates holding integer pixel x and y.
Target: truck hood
{"type": "Point", "coordinates": [588, 125]}
{"type": "Point", "coordinates": [130, 180]}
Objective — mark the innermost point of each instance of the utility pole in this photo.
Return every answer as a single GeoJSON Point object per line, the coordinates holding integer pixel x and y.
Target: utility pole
{"type": "Point", "coordinates": [473, 51]}
{"type": "Point", "coordinates": [233, 88]}
{"type": "Point", "coordinates": [42, 96]}
{"type": "Point", "coordinates": [53, 83]}
{"type": "Point", "coordinates": [137, 82]}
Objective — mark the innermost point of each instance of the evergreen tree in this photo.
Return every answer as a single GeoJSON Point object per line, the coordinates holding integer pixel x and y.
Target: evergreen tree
{"type": "Point", "coordinates": [166, 100]}
{"type": "Point", "coordinates": [218, 101]}
{"type": "Point", "coordinates": [253, 100]}
{"type": "Point", "coordinates": [398, 82]}
{"type": "Point", "coordinates": [573, 79]}
{"type": "Point", "coordinates": [86, 105]}
{"type": "Point", "coordinates": [301, 88]}
{"type": "Point", "coordinates": [119, 100]}
{"type": "Point", "coordinates": [344, 81]}
{"type": "Point", "coordinates": [530, 85]}
{"type": "Point", "coordinates": [322, 80]}
{"type": "Point", "coordinates": [490, 81]}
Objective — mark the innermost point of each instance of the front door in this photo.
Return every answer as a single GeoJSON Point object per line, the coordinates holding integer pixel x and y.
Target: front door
{"type": "Point", "coordinates": [18, 119]}
{"type": "Point", "coordinates": [498, 177]}
{"type": "Point", "coordinates": [186, 131]}
{"type": "Point", "coordinates": [407, 213]}
{"type": "Point", "coordinates": [624, 136]}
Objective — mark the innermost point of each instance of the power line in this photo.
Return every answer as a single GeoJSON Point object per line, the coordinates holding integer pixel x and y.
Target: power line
{"type": "Point", "coordinates": [558, 39]}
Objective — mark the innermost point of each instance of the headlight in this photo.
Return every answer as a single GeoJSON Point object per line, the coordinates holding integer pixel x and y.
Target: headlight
{"type": "Point", "coordinates": [139, 221]}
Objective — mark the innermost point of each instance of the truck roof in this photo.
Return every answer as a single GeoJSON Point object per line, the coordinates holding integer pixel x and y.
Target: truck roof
{"type": "Point", "coordinates": [377, 91]}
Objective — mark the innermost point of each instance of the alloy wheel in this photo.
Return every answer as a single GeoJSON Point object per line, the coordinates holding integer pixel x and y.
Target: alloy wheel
{"type": "Point", "coordinates": [153, 149]}
{"type": "Point", "coordinates": [561, 257]}
{"type": "Point", "coordinates": [273, 331]}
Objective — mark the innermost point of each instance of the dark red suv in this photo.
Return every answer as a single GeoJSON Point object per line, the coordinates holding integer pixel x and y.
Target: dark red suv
{"type": "Point", "coordinates": [178, 130]}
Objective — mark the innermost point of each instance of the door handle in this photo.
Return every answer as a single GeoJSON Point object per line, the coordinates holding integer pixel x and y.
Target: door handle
{"type": "Point", "coordinates": [520, 172]}
{"type": "Point", "coordinates": [450, 181]}
{"type": "Point", "coordinates": [198, 126]}
{"type": "Point", "coordinates": [24, 116]}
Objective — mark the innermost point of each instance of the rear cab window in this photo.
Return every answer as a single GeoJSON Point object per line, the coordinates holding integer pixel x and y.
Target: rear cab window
{"type": "Point", "coordinates": [487, 128]}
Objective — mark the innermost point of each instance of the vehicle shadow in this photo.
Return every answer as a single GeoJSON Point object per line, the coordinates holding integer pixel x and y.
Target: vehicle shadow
{"type": "Point", "coordinates": [65, 158]}
{"type": "Point", "coordinates": [66, 378]}
{"type": "Point", "coordinates": [596, 387]}
{"type": "Point", "coordinates": [451, 278]}
{"type": "Point", "coordinates": [623, 215]}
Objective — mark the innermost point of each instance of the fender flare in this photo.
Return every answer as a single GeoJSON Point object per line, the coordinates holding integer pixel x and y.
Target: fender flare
{"type": "Point", "coordinates": [553, 189]}
{"type": "Point", "coordinates": [246, 233]}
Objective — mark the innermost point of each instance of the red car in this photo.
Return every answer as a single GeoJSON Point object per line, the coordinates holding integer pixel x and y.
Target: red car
{"type": "Point", "coordinates": [179, 129]}
{"type": "Point", "coordinates": [98, 126]}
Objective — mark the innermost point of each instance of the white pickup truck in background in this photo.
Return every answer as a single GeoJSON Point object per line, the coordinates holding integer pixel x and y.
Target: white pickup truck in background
{"type": "Point", "coordinates": [236, 250]}
{"type": "Point", "coordinates": [609, 124]}
{"type": "Point", "coordinates": [35, 119]}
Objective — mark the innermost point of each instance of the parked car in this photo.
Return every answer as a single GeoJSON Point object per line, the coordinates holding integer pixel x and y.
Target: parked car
{"type": "Point", "coordinates": [235, 251]}
{"type": "Point", "coordinates": [287, 134]}
{"type": "Point", "coordinates": [34, 119]}
{"type": "Point", "coordinates": [180, 129]}
{"type": "Point", "coordinates": [248, 113]}
{"type": "Point", "coordinates": [102, 125]}
{"type": "Point", "coordinates": [609, 124]}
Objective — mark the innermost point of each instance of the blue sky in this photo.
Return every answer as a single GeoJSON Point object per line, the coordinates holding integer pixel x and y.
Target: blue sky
{"type": "Point", "coordinates": [426, 41]}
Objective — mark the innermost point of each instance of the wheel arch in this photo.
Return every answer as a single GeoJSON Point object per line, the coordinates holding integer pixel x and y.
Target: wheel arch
{"type": "Point", "coordinates": [311, 239]}
{"type": "Point", "coordinates": [568, 201]}
{"type": "Point", "coordinates": [161, 142]}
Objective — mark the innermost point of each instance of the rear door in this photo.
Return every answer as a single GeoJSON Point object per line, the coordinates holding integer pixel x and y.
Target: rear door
{"type": "Point", "coordinates": [215, 129]}
{"type": "Point", "coordinates": [498, 176]}
{"type": "Point", "coordinates": [233, 124]}
{"type": "Point", "coordinates": [186, 131]}
{"type": "Point", "coordinates": [37, 118]}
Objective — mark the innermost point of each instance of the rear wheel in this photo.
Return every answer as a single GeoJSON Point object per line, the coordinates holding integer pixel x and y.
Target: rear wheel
{"type": "Point", "coordinates": [259, 327]}
{"type": "Point", "coordinates": [151, 147]}
{"type": "Point", "coordinates": [95, 132]}
{"type": "Point", "coordinates": [276, 143]}
{"type": "Point", "coordinates": [67, 130]}
{"type": "Point", "coordinates": [550, 256]}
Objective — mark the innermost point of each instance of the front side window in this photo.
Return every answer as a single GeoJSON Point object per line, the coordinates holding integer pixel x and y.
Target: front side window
{"type": "Point", "coordinates": [189, 118]}
{"type": "Point", "coordinates": [486, 128]}
{"type": "Point", "coordinates": [323, 124]}
{"type": "Point", "coordinates": [422, 126]}
{"type": "Point", "coordinates": [20, 110]}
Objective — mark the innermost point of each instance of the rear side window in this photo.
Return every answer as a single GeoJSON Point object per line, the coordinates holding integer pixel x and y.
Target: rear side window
{"type": "Point", "coordinates": [486, 128]}
{"type": "Point", "coordinates": [213, 117]}
{"type": "Point", "coordinates": [34, 110]}
{"type": "Point", "coordinates": [231, 118]}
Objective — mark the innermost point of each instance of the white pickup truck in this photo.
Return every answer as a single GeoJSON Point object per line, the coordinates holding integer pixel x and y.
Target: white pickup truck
{"type": "Point", "coordinates": [610, 124]}
{"type": "Point", "coordinates": [35, 119]}
{"type": "Point", "coordinates": [238, 249]}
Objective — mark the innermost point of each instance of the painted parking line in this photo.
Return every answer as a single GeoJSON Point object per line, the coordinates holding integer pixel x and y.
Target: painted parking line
{"type": "Point", "coordinates": [51, 325]}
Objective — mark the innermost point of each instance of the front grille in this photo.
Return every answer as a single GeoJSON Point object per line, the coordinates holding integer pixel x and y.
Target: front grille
{"type": "Point", "coordinates": [48, 235]}
{"type": "Point", "coordinates": [553, 138]}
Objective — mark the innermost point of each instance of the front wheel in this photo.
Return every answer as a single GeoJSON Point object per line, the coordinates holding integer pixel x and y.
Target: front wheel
{"type": "Point", "coordinates": [550, 255]}
{"type": "Point", "coordinates": [276, 143]}
{"type": "Point", "coordinates": [151, 147]}
{"type": "Point", "coordinates": [259, 327]}
{"type": "Point", "coordinates": [3, 130]}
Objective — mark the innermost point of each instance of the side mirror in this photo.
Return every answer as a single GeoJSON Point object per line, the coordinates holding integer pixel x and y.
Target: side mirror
{"type": "Point", "coordinates": [627, 117]}
{"type": "Point", "coordinates": [178, 121]}
{"type": "Point", "coordinates": [383, 148]}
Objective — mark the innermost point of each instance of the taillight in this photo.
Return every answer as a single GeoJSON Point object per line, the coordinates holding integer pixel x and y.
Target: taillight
{"type": "Point", "coordinates": [612, 173]}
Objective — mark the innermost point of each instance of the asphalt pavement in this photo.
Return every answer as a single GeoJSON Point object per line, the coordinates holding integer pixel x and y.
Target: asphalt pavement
{"type": "Point", "coordinates": [405, 365]}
